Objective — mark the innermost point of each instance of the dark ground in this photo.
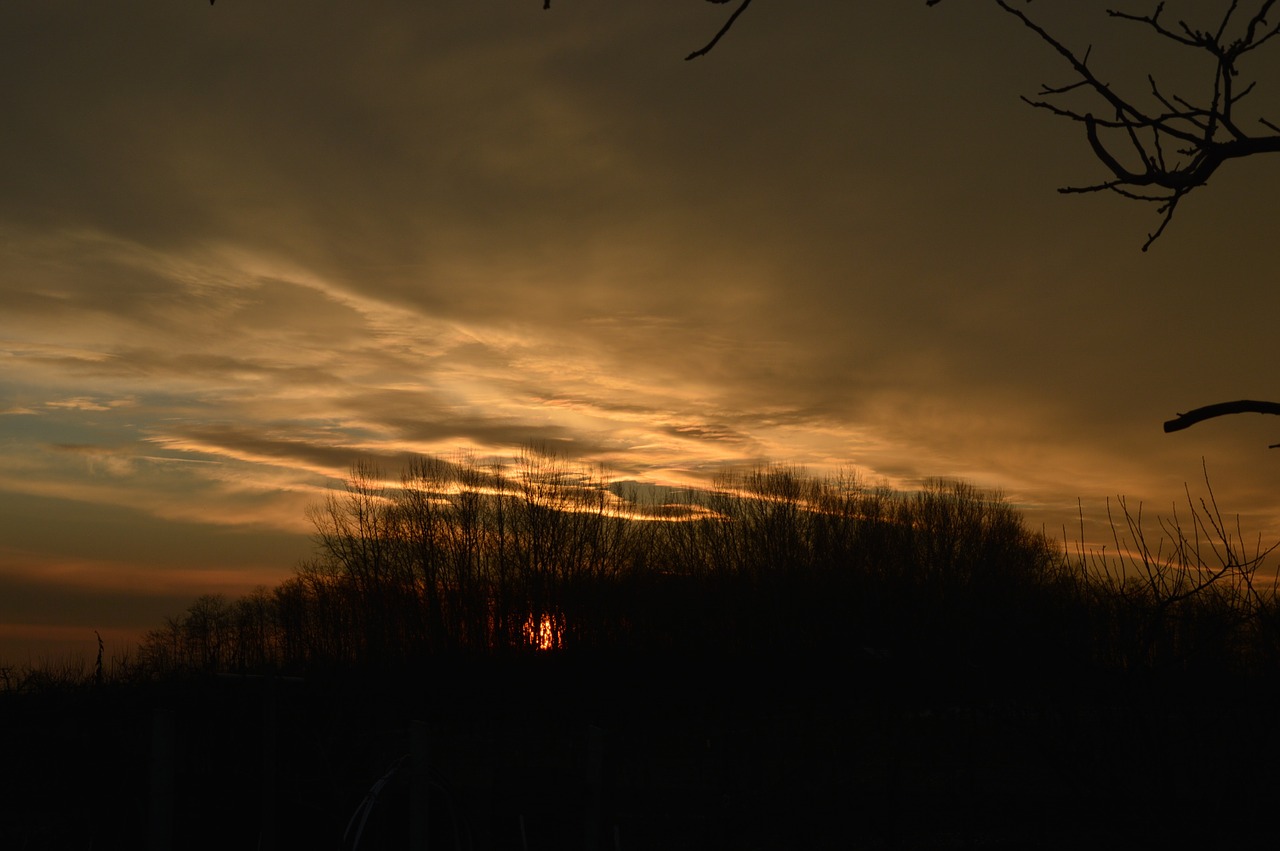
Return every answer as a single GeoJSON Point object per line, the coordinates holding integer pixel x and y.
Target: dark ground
{"type": "Point", "coordinates": [547, 753]}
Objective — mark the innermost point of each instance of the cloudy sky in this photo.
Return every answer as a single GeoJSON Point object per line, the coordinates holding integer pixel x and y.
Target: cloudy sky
{"type": "Point", "coordinates": [242, 246]}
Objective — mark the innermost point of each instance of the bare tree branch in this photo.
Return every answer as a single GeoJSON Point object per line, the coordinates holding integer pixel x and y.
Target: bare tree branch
{"type": "Point", "coordinates": [705, 49]}
{"type": "Point", "coordinates": [728, 25]}
{"type": "Point", "coordinates": [1179, 148]}
{"type": "Point", "coordinates": [1243, 406]}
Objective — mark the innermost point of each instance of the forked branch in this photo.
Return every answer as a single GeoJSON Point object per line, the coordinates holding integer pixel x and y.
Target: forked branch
{"type": "Point", "coordinates": [1177, 143]}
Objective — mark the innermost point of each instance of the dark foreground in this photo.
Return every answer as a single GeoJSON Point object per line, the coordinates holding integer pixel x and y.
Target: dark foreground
{"type": "Point", "coordinates": [556, 753]}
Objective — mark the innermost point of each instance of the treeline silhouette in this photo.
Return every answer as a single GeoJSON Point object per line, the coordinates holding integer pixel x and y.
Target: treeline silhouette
{"type": "Point", "coordinates": [779, 660]}
{"type": "Point", "coordinates": [769, 565]}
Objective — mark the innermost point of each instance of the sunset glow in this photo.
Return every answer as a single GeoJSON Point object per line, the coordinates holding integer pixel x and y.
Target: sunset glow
{"type": "Point", "coordinates": [545, 632]}
{"type": "Point", "coordinates": [244, 247]}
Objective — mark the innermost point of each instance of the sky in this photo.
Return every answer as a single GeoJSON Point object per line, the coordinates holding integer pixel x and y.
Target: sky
{"type": "Point", "coordinates": [244, 245]}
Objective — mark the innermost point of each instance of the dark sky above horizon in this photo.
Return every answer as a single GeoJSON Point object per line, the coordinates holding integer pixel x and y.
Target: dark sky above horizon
{"type": "Point", "coordinates": [242, 246]}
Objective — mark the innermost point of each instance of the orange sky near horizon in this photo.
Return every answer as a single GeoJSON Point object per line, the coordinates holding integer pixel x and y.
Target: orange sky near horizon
{"type": "Point", "coordinates": [243, 247]}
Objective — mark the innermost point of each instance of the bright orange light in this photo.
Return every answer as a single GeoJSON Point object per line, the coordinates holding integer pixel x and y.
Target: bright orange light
{"type": "Point", "coordinates": [546, 634]}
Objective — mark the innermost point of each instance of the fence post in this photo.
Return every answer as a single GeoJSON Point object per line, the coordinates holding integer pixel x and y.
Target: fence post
{"type": "Point", "coordinates": [160, 828]}
{"type": "Point", "coordinates": [419, 787]}
{"type": "Point", "coordinates": [595, 795]}
{"type": "Point", "coordinates": [267, 826]}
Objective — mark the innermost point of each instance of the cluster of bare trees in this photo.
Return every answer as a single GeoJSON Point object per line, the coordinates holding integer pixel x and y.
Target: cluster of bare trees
{"type": "Point", "coordinates": [477, 555]}
{"type": "Point", "coordinates": [457, 557]}
{"type": "Point", "coordinates": [454, 557]}
{"type": "Point", "coordinates": [215, 634]}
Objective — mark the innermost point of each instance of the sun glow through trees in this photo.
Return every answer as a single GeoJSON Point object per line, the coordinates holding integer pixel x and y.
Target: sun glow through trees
{"type": "Point", "coordinates": [545, 632]}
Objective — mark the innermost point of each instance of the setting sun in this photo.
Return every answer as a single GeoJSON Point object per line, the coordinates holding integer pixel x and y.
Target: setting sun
{"type": "Point", "coordinates": [544, 632]}
{"type": "Point", "coordinates": [652, 425]}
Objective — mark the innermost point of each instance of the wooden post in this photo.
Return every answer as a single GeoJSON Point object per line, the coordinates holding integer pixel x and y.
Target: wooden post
{"type": "Point", "coordinates": [595, 795]}
{"type": "Point", "coordinates": [267, 819]}
{"type": "Point", "coordinates": [419, 787]}
{"type": "Point", "coordinates": [160, 827]}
